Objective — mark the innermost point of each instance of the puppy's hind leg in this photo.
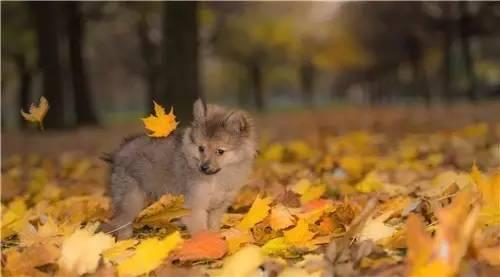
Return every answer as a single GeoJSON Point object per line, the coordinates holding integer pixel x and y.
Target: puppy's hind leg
{"type": "Point", "coordinates": [127, 203]}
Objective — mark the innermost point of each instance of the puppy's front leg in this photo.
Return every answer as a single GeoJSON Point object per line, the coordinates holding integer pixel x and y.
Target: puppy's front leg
{"type": "Point", "coordinates": [198, 202]}
{"type": "Point", "coordinates": [196, 221]}
{"type": "Point", "coordinates": [215, 216]}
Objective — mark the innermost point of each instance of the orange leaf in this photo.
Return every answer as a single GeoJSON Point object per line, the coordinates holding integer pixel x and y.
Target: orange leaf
{"type": "Point", "coordinates": [326, 226]}
{"type": "Point", "coordinates": [316, 204]}
{"type": "Point", "coordinates": [162, 124]}
{"type": "Point", "coordinates": [205, 245]}
{"type": "Point", "coordinates": [280, 217]}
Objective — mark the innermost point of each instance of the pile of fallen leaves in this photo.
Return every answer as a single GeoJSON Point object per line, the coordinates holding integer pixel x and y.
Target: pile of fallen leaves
{"type": "Point", "coordinates": [355, 204]}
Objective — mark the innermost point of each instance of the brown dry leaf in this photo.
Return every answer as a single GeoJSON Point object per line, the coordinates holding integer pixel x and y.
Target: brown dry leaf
{"type": "Point", "coordinates": [25, 262]}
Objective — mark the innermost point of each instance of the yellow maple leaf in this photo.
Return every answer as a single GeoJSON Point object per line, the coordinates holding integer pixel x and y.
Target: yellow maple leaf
{"type": "Point", "coordinates": [375, 229]}
{"type": "Point", "coordinates": [244, 263]}
{"type": "Point", "coordinates": [314, 210]}
{"type": "Point", "coordinates": [308, 191]}
{"type": "Point", "coordinates": [50, 231]}
{"type": "Point", "coordinates": [353, 165]}
{"type": "Point", "coordinates": [160, 124]}
{"type": "Point", "coordinates": [489, 187]}
{"type": "Point", "coordinates": [441, 255]}
{"type": "Point", "coordinates": [27, 261]}
{"type": "Point", "coordinates": [77, 209]}
{"type": "Point", "coordinates": [149, 254]}
{"type": "Point", "coordinates": [258, 211]}
{"type": "Point", "coordinates": [370, 183]}
{"type": "Point", "coordinates": [167, 208]}
{"type": "Point", "coordinates": [119, 251]}
{"type": "Point", "coordinates": [300, 233]}
{"type": "Point", "coordinates": [82, 250]}
{"type": "Point", "coordinates": [273, 152]}
{"type": "Point", "coordinates": [277, 246]}
{"type": "Point", "coordinates": [14, 218]}
{"type": "Point", "coordinates": [280, 218]}
{"type": "Point", "coordinates": [37, 113]}
{"type": "Point", "coordinates": [235, 238]}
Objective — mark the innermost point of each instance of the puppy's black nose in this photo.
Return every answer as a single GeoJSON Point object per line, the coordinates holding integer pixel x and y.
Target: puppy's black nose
{"type": "Point", "coordinates": [204, 167]}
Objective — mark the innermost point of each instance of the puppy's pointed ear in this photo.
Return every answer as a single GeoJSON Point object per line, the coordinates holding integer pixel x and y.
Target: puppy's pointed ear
{"type": "Point", "coordinates": [239, 122]}
{"type": "Point", "coordinates": [199, 110]}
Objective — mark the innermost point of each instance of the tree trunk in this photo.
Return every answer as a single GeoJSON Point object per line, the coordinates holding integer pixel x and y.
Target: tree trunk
{"type": "Point", "coordinates": [255, 73]}
{"type": "Point", "coordinates": [447, 43]}
{"type": "Point", "coordinates": [180, 58]}
{"type": "Point", "coordinates": [307, 78]}
{"type": "Point", "coordinates": [47, 22]}
{"type": "Point", "coordinates": [25, 81]}
{"type": "Point", "coordinates": [148, 51]}
{"type": "Point", "coordinates": [85, 112]}
{"type": "Point", "coordinates": [420, 85]}
{"type": "Point", "coordinates": [466, 52]}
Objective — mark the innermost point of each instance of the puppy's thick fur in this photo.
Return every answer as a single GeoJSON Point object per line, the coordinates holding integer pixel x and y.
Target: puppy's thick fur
{"type": "Point", "coordinates": [207, 162]}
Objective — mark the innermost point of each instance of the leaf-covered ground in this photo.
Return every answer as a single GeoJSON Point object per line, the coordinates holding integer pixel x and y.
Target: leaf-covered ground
{"type": "Point", "coordinates": [356, 203]}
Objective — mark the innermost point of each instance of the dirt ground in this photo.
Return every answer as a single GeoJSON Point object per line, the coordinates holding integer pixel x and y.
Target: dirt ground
{"type": "Point", "coordinates": [272, 126]}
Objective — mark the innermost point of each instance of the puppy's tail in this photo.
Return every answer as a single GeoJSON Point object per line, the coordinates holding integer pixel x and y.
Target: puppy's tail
{"type": "Point", "coordinates": [106, 157]}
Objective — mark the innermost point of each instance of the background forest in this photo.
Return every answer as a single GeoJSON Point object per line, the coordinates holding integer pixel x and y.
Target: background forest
{"type": "Point", "coordinates": [103, 62]}
{"type": "Point", "coordinates": [378, 136]}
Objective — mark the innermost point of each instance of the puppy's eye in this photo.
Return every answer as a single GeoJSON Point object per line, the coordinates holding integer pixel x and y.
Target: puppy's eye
{"type": "Point", "coordinates": [220, 152]}
{"type": "Point", "coordinates": [201, 149]}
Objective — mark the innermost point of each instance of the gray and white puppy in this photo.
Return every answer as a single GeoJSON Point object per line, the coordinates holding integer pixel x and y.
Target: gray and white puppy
{"type": "Point", "coordinates": [207, 162]}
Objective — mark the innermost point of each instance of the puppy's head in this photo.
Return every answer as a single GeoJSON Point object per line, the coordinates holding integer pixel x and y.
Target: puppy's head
{"type": "Point", "coordinates": [218, 138]}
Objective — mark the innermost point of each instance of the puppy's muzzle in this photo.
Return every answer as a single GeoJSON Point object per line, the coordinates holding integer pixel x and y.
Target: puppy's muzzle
{"type": "Point", "coordinates": [205, 169]}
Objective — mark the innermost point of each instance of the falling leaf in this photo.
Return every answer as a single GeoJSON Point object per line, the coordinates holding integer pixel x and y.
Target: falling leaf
{"type": "Point", "coordinates": [300, 233]}
{"type": "Point", "coordinates": [148, 255]}
{"type": "Point", "coordinates": [281, 217]}
{"type": "Point", "coordinates": [243, 263]}
{"type": "Point", "coordinates": [37, 113]}
{"type": "Point", "coordinates": [81, 251]}
{"type": "Point", "coordinates": [258, 211]}
{"type": "Point", "coordinates": [160, 124]}
{"type": "Point", "coordinates": [160, 213]}
{"type": "Point", "coordinates": [205, 245]}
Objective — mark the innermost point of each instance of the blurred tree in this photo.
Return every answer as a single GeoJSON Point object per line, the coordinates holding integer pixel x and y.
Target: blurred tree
{"type": "Point", "coordinates": [85, 111]}
{"type": "Point", "coordinates": [307, 73]}
{"type": "Point", "coordinates": [18, 46]}
{"type": "Point", "coordinates": [149, 46]}
{"type": "Point", "coordinates": [180, 46]}
{"type": "Point", "coordinates": [48, 21]}
{"type": "Point", "coordinates": [253, 36]}
{"type": "Point", "coordinates": [150, 52]}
